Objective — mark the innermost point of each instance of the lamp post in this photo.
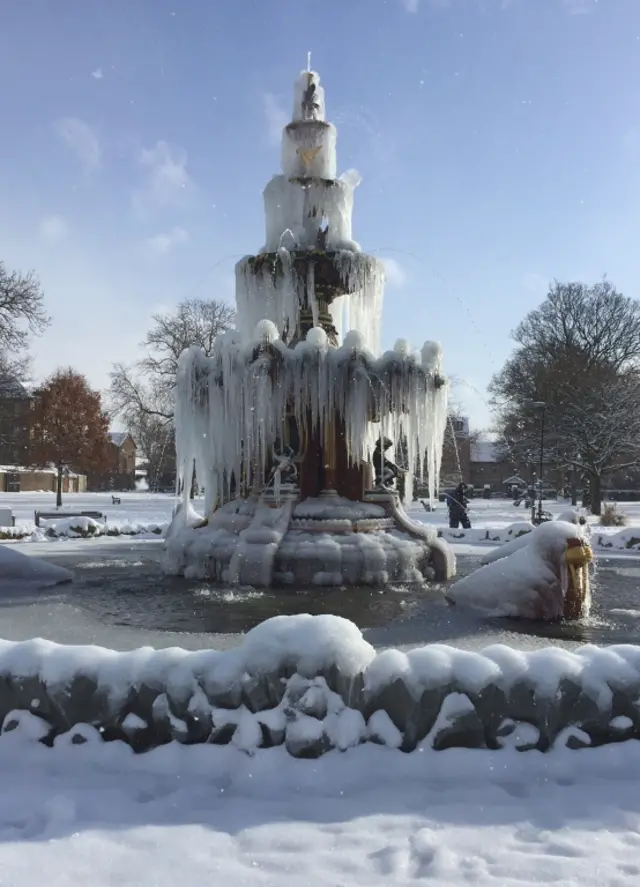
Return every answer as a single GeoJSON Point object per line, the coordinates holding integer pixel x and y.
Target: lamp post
{"type": "Point", "coordinates": [542, 406]}
{"type": "Point", "coordinates": [62, 468]}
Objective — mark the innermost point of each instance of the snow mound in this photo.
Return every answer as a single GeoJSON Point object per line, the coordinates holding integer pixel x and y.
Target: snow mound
{"type": "Point", "coordinates": [520, 535]}
{"type": "Point", "coordinates": [529, 583]}
{"type": "Point", "coordinates": [303, 643]}
{"type": "Point", "coordinates": [18, 568]}
{"type": "Point", "coordinates": [623, 540]}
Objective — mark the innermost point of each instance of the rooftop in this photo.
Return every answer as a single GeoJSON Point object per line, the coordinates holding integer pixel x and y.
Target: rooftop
{"type": "Point", "coordinates": [118, 437]}
{"type": "Point", "coordinates": [12, 388]}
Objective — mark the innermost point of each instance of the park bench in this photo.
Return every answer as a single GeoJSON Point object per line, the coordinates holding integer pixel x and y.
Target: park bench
{"type": "Point", "coordinates": [61, 515]}
{"type": "Point", "coordinates": [115, 500]}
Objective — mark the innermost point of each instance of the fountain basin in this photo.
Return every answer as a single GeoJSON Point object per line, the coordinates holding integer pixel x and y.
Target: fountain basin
{"type": "Point", "coordinates": [324, 541]}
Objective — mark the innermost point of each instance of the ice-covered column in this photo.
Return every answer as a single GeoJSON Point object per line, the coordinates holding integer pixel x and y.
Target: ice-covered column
{"type": "Point", "coordinates": [309, 142]}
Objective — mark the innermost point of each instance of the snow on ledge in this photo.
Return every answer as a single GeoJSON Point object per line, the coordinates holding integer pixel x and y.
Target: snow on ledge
{"type": "Point", "coordinates": [304, 644]}
{"type": "Point", "coordinates": [311, 645]}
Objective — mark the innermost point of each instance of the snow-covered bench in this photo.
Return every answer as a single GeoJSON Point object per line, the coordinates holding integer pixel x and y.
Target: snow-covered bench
{"type": "Point", "coordinates": [61, 515]}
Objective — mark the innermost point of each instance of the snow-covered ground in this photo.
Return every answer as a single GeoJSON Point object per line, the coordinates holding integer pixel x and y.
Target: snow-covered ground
{"type": "Point", "coordinates": [370, 816]}
{"type": "Point", "coordinates": [144, 516]}
{"type": "Point", "coordinates": [147, 508]}
{"type": "Point", "coordinates": [157, 508]}
{"type": "Point", "coordinates": [98, 815]}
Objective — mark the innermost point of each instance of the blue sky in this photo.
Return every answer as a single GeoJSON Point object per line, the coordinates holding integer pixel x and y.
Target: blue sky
{"type": "Point", "coordinates": [498, 140]}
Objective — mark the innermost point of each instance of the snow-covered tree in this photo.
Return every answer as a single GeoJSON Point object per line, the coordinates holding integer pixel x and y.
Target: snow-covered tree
{"type": "Point", "coordinates": [579, 355]}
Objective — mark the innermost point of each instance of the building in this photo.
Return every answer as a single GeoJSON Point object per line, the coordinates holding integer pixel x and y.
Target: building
{"type": "Point", "coordinates": [18, 479]}
{"type": "Point", "coordinates": [487, 468]}
{"type": "Point", "coordinates": [15, 422]}
{"type": "Point", "coordinates": [121, 469]}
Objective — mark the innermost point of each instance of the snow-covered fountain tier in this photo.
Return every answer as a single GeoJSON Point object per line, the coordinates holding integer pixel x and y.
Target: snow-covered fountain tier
{"type": "Point", "coordinates": [280, 424]}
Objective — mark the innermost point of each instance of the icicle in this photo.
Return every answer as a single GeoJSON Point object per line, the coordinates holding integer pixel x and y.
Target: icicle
{"type": "Point", "coordinates": [311, 294]}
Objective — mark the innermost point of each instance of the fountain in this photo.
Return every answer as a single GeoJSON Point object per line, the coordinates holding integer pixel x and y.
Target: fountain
{"type": "Point", "coordinates": [281, 424]}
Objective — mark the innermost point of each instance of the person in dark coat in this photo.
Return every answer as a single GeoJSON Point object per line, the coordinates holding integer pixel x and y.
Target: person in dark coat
{"type": "Point", "coordinates": [457, 504]}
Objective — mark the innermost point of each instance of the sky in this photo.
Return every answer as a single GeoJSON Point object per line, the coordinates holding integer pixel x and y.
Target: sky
{"type": "Point", "coordinates": [498, 141]}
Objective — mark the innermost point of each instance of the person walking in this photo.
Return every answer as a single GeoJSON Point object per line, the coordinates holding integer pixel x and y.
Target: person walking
{"type": "Point", "coordinates": [457, 503]}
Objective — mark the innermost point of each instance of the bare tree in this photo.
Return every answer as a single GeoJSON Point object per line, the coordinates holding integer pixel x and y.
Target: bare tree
{"type": "Point", "coordinates": [22, 314]}
{"type": "Point", "coordinates": [578, 355]}
{"type": "Point", "coordinates": [596, 323]}
{"type": "Point", "coordinates": [142, 394]}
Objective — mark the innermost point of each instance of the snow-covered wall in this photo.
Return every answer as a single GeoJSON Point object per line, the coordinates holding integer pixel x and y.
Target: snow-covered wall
{"type": "Point", "coordinates": [313, 683]}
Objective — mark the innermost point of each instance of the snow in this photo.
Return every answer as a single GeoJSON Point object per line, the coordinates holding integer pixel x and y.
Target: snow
{"type": "Point", "coordinates": [381, 729]}
{"type": "Point", "coordinates": [29, 572]}
{"type": "Point", "coordinates": [519, 535]}
{"type": "Point", "coordinates": [492, 520]}
{"type": "Point", "coordinates": [530, 582]}
{"type": "Point", "coordinates": [98, 814]}
{"type": "Point", "coordinates": [306, 646]}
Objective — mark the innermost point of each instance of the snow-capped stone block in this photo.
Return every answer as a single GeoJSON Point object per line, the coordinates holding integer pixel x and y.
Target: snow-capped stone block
{"type": "Point", "coordinates": [315, 680]}
{"type": "Point", "coordinates": [573, 737]}
{"type": "Point", "coordinates": [305, 737]}
{"type": "Point", "coordinates": [518, 735]}
{"type": "Point", "coordinates": [457, 725]}
{"type": "Point", "coordinates": [345, 729]}
{"type": "Point", "coordinates": [23, 726]}
{"type": "Point", "coordinates": [167, 725]}
{"type": "Point", "coordinates": [382, 730]}
{"type": "Point", "coordinates": [273, 723]}
{"type": "Point", "coordinates": [80, 734]}
{"type": "Point", "coordinates": [248, 735]}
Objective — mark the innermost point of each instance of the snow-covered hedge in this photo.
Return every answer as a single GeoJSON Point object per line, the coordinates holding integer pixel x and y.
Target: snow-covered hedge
{"type": "Point", "coordinates": [313, 683]}
{"type": "Point", "coordinates": [80, 528]}
{"type": "Point", "coordinates": [487, 534]}
{"type": "Point", "coordinates": [617, 540]}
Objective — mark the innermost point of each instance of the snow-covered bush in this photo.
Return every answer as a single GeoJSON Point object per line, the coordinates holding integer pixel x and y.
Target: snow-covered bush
{"type": "Point", "coordinates": [611, 517]}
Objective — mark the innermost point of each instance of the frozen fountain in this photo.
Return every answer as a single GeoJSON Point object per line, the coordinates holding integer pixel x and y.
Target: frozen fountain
{"type": "Point", "coordinates": [287, 423]}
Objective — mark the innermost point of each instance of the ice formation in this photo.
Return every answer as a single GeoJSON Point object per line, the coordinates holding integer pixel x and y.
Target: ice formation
{"type": "Point", "coordinates": [232, 407]}
{"type": "Point", "coordinates": [305, 361]}
{"type": "Point", "coordinates": [531, 581]}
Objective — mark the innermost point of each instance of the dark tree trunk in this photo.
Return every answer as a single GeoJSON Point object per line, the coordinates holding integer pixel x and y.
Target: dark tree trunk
{"type": "Point", "coordinates": [574, 487]}
{"type": "Point", "coordinates": [59, 487]}
{"type": "Point", "coordinates": [596, 494]}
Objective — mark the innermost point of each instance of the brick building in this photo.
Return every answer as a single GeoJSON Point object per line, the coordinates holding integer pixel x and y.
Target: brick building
{"type": "Point", "coordinates": [121, 469]}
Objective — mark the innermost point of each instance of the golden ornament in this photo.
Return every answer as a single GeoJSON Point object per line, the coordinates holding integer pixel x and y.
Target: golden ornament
{"type": "Point", "coordinates": [308, 155]}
